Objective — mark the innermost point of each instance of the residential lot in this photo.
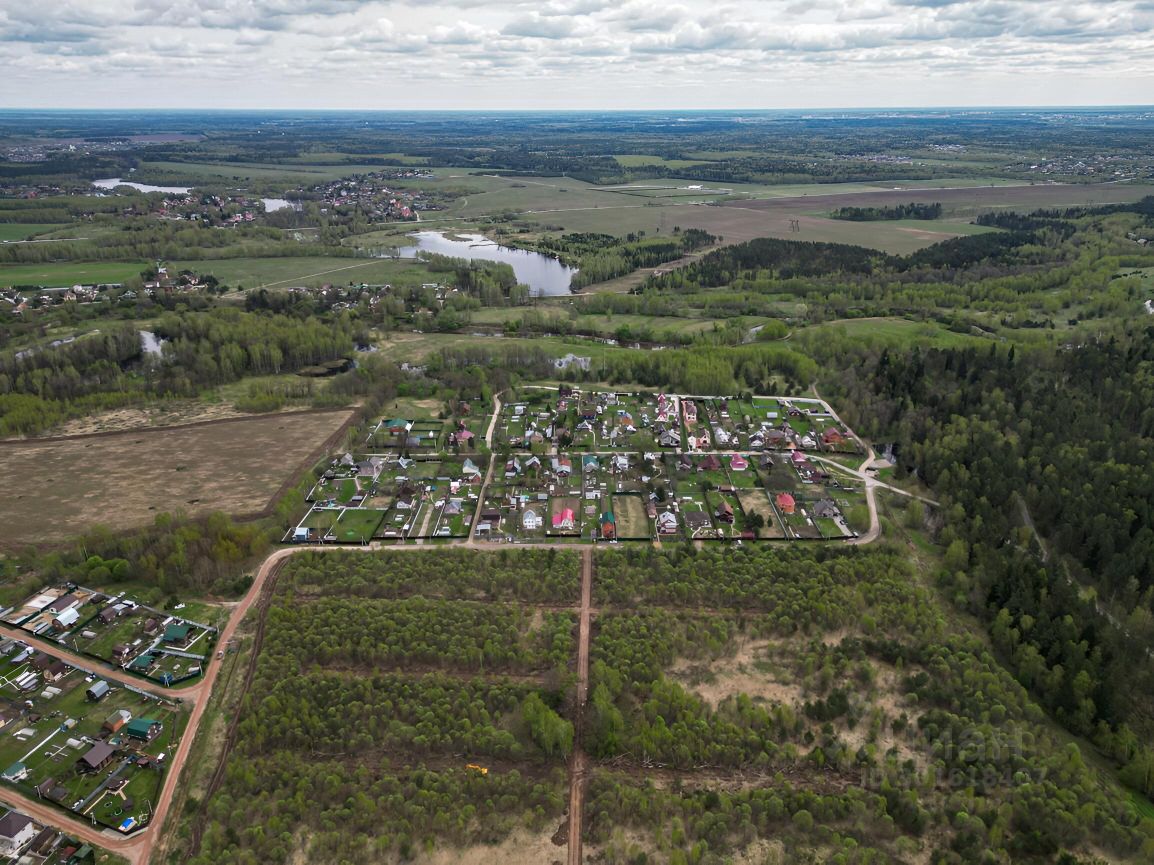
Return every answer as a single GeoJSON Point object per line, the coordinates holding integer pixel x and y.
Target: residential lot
{"type": "Point", "coordinates": [82, 742]}
{"type": "Point", "coordinates": [118, 631]}
{"type": "Point", "coordinates": [572, 465]}
{"type": "Point", "coordinates": [387, 496]}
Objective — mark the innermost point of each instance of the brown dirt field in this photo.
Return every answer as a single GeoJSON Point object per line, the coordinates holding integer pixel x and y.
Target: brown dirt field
{"type": "Point", "coordinates": [631, 519]}
{"type": "Point", "coordinates": [757, 501]}
{"type": "Point", "coordinates": [738, 675]}
{"type": "Point", "coordinates": [149, 417]}
{"type": "Point", "coordinates": [771, 217]}
{"type": "Point", "coordinates": [520, 848]}
{"type": "Point", "coordinates": [60, 487]}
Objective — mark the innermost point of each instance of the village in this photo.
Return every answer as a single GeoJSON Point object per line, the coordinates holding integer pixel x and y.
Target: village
{"type": "Point", "coordinates": [559, 465]}
{"type": "Point", "coordinates": [86, 738]}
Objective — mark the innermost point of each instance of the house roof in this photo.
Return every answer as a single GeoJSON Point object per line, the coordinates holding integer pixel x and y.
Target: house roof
{"type": "Point", "coordinates": [785, 500]}
{"type": "Point", "coordinates": [97, 754]}
{"type": "Point", "coordinates": [141, 727]}
{"type": "Point", "coordinates": [13, 823]}
{"type": "Point", "coordinates": [177, 632]}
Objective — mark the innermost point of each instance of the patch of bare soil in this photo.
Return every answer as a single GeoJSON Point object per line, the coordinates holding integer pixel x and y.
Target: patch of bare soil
{"type": "Point", "coordinates": [885, 696]}
{"type": "Point", "coordinates": [61, 487]}
{"type": "Point", "coordinates": [761, 852]}
{"type": "Point", "coordinates": [750, 671]}
{"type": "Point", "coordinates": [152, 416]}
{"type": "Point", "coordinates": [520, 848]}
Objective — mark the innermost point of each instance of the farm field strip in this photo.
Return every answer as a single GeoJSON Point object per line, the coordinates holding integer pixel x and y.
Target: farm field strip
{"type": "Point", "coordinates": [235, 466]}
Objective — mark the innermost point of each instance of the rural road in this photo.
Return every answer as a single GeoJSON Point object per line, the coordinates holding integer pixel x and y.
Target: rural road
{"type": "Point", "coordinates": [578, 763]}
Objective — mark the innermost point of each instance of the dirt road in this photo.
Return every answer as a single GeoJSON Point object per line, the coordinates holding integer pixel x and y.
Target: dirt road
{"type": "Point", "coordinates": [579, 763]}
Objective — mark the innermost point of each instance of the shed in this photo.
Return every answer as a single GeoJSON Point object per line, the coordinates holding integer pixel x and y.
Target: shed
{"type": "Point", "coordinates": [117, 720]}
{"type": "Point", "coordinates": [15, 772]}
{"type": "Point", "coordinates": [97, 690]}
{"type": "Point", "coordinates": [66, 618]}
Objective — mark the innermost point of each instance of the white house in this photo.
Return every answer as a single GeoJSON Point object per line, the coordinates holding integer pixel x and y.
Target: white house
{"type": "Point", "coordinates": [16, 832]}
{"type": "Point", "coordinates": [531, 520]}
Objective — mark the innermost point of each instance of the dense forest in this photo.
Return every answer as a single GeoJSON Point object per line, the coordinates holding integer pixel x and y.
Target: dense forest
{"type": "Point", "coordinates": [913, 210]}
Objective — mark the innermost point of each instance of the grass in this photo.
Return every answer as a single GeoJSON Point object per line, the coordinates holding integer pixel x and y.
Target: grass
{"type": "Point", "coordinates": [68, 274]}
{"type": "Point", "coordinates": [126, 479]}
{"type": "Point", "coordinates": [636, 160]}
{"type": "Point", "coordinates": [356, 524]}
{"type": "Point", "coordinates": [900, 331]}
{"type": "Point", "coordinates": [24, 230]}
{"type": "Point", "coordinates": [306, 271]}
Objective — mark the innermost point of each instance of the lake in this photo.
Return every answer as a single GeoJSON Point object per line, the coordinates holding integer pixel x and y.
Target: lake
{"type": "Point", "coordinates": [544, 275]}
{"type": "Point", "coordinates": [113, 182]}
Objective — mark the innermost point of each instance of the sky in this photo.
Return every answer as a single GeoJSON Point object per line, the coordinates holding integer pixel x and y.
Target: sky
{"type": "Point", "coordinates": [573, 54]}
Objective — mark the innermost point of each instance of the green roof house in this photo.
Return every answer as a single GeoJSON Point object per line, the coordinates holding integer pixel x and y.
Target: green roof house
{"type": "Point", "coordinates": [144, 729]}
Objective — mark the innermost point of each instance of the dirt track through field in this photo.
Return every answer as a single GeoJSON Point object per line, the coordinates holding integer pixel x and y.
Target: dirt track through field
{"type": "Point", "coordinates": [578, 764]}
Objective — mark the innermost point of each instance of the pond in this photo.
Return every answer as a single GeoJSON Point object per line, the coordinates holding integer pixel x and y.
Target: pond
{"type": "Point", "coordinates": [151, 344]}
{"type": "Point", "coordinates": [545, 276]}
{"type": "Point", "coordinates": [113, 182]}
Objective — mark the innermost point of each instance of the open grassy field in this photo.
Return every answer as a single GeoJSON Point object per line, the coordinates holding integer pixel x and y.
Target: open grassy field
{"type": "Point", "coordinates": [61, 487]}
{"type": "Point", "coordinates": [900, 331]}
{"type": "Point", "coordinates": [307, 271]}
{"type": "Point", "coordinates": [631, 519]}
{"type": "Point", "coordinates": [68, 273]}
{"type": "Point", "coordinates": [24, 230]}
{"type": "Point", "coordinates": [635, 160]}
{"type": "Point", "coordinates": [230, 172]}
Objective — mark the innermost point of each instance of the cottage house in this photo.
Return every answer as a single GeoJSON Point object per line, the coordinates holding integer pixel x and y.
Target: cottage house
{"type": "Point", "coordinates": [143, 729]}
{"type": "Point", "coordinates": [725, 512]}
{"type": "Point", "coordinates": [786, 503]}
{"type": "Point", "coordinates": [177, 634]}
{"type": "Point", "coordinates": [16, 832]}
{"type": "Point", "coordinates": [738, 463]}
{"type": "Point", "coordinates": [531, 520]}
{"type": "Point", "coordinates": [667, 523]}
{"type": "Point", "coordinates": [826, 508]}
{"type": "Point", "coordinates": [564, 520]}
{"type": "Point", "coordinates": [833, 437]}
{"type": "Point", "coordinates": [97, 757]}
{"type": "Point", "coordinates": [608, 526]}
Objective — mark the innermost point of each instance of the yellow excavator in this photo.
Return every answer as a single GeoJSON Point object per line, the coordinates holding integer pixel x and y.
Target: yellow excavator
{"type": "Point", "coordinates": [473, 767]}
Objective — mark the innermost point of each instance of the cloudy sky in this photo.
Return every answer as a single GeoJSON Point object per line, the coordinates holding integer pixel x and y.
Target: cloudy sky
{"type": "Point", "coordinates": [494, 54]}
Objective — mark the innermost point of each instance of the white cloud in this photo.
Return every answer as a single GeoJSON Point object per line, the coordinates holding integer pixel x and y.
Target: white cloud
{"type": "Point", "coordinates": [583, 53]}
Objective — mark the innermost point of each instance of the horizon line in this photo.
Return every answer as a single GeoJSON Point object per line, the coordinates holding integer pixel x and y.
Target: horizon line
{"type": "Point", "coordinates": [866, 108]}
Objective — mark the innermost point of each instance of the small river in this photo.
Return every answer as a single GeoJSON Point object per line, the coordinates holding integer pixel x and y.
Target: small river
{"type": "Point", "coordinates": [545, 276]}
{"type": "Point", "coordinates": [113, 182]}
